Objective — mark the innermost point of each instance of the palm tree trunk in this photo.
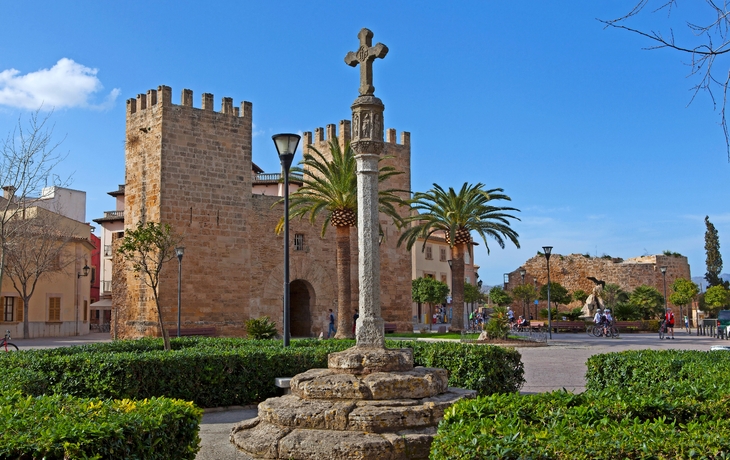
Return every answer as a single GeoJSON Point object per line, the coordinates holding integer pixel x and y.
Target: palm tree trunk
{"type": "Point", "coordinates": [344, 296]}
{"type": "Point", "coordinates": [457, 287]}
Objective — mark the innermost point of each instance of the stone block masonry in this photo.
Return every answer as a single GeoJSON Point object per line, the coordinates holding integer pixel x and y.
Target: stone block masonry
{"type": "Point", "coordinates": [192, 168]}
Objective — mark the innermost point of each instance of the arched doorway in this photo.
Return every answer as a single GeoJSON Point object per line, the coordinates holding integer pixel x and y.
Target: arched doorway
{"type": "Point", "coordinates": [301, 297]}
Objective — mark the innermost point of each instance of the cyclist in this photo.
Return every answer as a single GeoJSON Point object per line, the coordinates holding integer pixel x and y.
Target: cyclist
{"type": "Point", "coordinates": [607, 321]}
{"type": "Point", "coordinates": [669, 318]}
{"type": "Point", "coordinates": [598, 317]}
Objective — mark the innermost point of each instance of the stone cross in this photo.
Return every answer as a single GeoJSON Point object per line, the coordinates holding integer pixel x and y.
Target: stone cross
{"type": "Point", "coordinates": [365, 56]}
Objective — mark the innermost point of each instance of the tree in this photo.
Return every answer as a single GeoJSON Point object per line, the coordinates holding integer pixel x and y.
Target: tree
{"type": "Point", "coordinates": [612, 295]}
{"type": "Point", "coordinates": [147, 248]}
{"type": "Point", "coordinates": [714, 259]}
{"type": "Point", "coordinates": [472, 293]}
{"type": "Point", "coordinates": [499, 296]}
{"type": "Point", "coordinates": [706, 41]}
{"type": "Point", "coordinates": [527, 293]}
{"type": "Point", "coordinates": [456, 215]}
{"type": "Point", "coordinates": [716, 298]}
{"type": "Point", "coordinates": [28, 158]}
{"type": "Point", "coordinates": [558, 294]}
{"type": "Point", "coordinates": [38, 250]}
{"type": "Point", "coordinates": [684, 291]}
{"type": "Point", "coordinates": [430, 291]}
{"type": "Point", "coordinates": [648, 301]}
{"type": "Point", "coordinates": [330, 187]}
{"type": "Point", "coordinates": [580, 295]}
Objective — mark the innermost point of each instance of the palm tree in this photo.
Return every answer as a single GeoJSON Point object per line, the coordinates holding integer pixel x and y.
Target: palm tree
{"type": "Point", "coordinates": [457, 215]}
{"type": "Point", "coordinates": [330, 186]}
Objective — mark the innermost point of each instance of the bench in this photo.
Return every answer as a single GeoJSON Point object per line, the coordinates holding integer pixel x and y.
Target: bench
{"type": "Point", "coordinates": [187, 331]}
{"type": "Point", "coordinates": [623, 325]}
{"type": "Point", "coordinates": [533, 326]}
{"type": "Point", "coordinates": [389, 327]}
{"type": "Point", "coordinates": [569, 325]}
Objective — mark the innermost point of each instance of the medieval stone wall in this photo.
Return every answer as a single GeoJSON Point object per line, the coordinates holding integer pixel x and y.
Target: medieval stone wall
{"type": "Point", "coordinates": [572, 271]}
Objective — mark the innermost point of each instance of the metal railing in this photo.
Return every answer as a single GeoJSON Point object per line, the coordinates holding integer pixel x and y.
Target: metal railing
{"type": "Point", "coordinates": [276, 177]}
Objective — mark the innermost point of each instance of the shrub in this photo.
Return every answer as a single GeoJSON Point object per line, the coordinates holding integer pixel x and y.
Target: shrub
{"type": "Point", "coordinates": [260, 328]}
{"type": "Point", "coordinates": [562, 425]}
{"type": "Point", "coordinates": [62, 426]}
{"type": "Point", "coordinates": [214, 372]}
{"type": "Point", "coordinates": [498, 325]}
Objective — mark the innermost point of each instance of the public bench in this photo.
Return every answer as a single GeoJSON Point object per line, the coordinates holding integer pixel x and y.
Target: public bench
{"type": "Point", "coordinates": [574, 326]}
{"type": "Point", "coordinates": [628, 325]}
{"type": "Point", "coordinates": [389, 327]}
{"type": "Point", "coordinates": [186, 331]}
{"type": "Point", "coordinates": [535, 325]}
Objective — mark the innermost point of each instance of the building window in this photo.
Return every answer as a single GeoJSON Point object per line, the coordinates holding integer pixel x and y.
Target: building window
{"type": "Point", "coordinates": [467, 280]}
{"type": "Point", "coordinates": [86, 309]}
{"type": "Point", "coordinates": [429, 275]}
{"type": "Point", "coordinates": [429, 253]}
{"type": "Point", "coordinates": [54, 309]}
{"type": "Point", "coordinates": [443, 278]}
{"type": "Point", "coordinates": [108, 250]}
{"type": "Point", "coordinates": [299, 242]}
{"type": "Point", "coordinates": [9, 309]}
{"type": "Point", "coordinates": [467, 259]}
{"type": "Point", "coordinates": [442, 254]}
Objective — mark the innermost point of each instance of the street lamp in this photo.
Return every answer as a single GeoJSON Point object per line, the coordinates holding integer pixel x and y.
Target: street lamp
{"type": "Point", "coordinates": [286, 146]}
{"type": "Point", "coordinates": [534, 280]}
{"type": "Point", "coordinates": [548, 250]}
{"type": "Point", "coordinates": [179, 251]}
{"type": "Point", "coordinates": [664, 276]}
{"type": "Point", "coordinates": [85, 271]}
{"type": "Point", "coordinates": [524, 301]}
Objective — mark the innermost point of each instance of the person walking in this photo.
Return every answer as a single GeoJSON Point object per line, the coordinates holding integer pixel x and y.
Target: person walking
{"type": "Point", "coordinates": [669, 318]}
{"type": "Point", "coordinates": [354, 320]}
{"type": "Point", "coordinates": [331, 331]}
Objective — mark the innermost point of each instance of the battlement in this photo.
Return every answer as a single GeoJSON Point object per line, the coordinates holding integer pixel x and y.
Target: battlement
{"type": "Point", "coordinates": [344, 133]}
{"type": "Point", "coordinates": [163, 96]}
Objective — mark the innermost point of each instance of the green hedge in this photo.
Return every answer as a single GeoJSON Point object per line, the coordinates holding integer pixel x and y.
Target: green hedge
{"type": "Point", "coordinates": [703, 374]}
{"type": "Point", "coordinates": [562, 425]}
{"type": "Point", "coordinates": [215, 372]}
{"type": "Point", "coordinates": [65, 427]}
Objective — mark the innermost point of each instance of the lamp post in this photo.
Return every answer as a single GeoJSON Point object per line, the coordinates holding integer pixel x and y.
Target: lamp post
{"type": "Point", "coordinates": [286, 146]}
{"type": "Point", "coordinates": [451, 266]}
{"type": "Point", "coordinates": [534, 281]}
{"type": "Point", "coordinates": [524, 302]}
{"type": "Point", "coordinates": [664, 276]}
{"type": "Point", "coordinates": [179, 251]}
{"type": "Point", "coordinates": [548, 250]}
{"type": "Point", "coordinates": [479, 285]}
{"type": "Point", "coordinates": [85, 271]}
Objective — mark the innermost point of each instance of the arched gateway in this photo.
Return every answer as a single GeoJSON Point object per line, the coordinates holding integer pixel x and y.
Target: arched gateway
{"type": "Point", "coordinates": [300, 301]}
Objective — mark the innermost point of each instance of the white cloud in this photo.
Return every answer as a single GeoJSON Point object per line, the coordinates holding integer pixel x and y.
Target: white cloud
{"type": "Point", "coordinates": [66, 84]}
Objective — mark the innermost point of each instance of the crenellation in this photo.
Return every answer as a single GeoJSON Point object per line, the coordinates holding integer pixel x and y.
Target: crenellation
{"type": "Point", "coordinates": [152, 97]}
{"type": "Point", "coordinates": [131, 106]}
{"type": "Point", "coordinates": [227, 105]}
{"type": "Point", "coordinates": [390, 136]}
{"type": "Point", "coordinates": [307, 135]}
{"type": "Point", "coordinates": [186, 99]}
{"type": "Point", "coordinates": [318, 135]}
{"type": "Point", "coordinates": [142, 100]}
{"type": "Point", "coordinates": [405, 138]}
{"type": "Point", "coordinates": [207, 101]}
{"type": "Point", "coordinates": [165, 93]}
{"type": "Point", "coordinates": [247, 110]}
{"type": "Point", "coordinates": [331, 132]}
{"type": "Point", "coordinates": [345, 132]}
{"type": "Point", "coordinates": [236, 112]}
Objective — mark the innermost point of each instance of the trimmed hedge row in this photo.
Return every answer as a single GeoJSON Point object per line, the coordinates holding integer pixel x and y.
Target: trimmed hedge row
{"type": "Point", "coordinates": [214, 372]}
{"type": "Point", "coordinates": [672, 373]}
{"type": "Point", "coordinates": [562, 425]}
{"type": "Point", "coordinates": [64, 427]}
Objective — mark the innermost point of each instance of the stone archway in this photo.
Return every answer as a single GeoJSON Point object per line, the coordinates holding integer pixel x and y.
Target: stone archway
{"type": "Point", "coordinates": [301, 299]}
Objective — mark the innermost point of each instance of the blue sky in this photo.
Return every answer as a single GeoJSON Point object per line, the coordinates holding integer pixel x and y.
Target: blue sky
{"type": "Point", "coordinates": [590, 134]}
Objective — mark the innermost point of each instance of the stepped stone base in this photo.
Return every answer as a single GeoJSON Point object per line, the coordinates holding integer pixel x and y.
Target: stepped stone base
{"type": "Point", "coordinates": [371, 403]}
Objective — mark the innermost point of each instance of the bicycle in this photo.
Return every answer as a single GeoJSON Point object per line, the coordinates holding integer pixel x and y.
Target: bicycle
{"type": "Point", "coordinates": [6, 345]}
{"type": "Point", "coordinates": [598, 331]}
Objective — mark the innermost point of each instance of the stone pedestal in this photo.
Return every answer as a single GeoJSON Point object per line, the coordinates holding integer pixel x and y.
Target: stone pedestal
{"type": "Point", "coordinates": [352, 411]}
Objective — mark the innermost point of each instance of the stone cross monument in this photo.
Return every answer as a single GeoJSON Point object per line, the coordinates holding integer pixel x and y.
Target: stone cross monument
{"type": "Point", "coordinates": [370, 403]}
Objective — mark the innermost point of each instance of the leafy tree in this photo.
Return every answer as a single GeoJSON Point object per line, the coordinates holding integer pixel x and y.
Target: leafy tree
{"type": "Point", "coordinates": [456, 215]}
{"type": "Point", "coordinates": [147, 248]}
{"type": "Point", "coordinates": [714, 259]}
{"type": "Point", "coordinates": [430, 291]}
{"type": "Point", "coordinates": [684, 291]}
{"type": "Point", "coordinates": [553, 312]}
{"type": "Point", "coordinates": [499, 296]}
{"type": "Point", "coordinates": [472, 293]}
{"type": "Point", "coordinates": [612, 294]}
{"type": "Point", "coordinates": [624, 311]}
{"type": "Point", "coordinates": [558, 294]}
{"type": "Point", "coordinates": [580, 295]}
{"type": "Point", "coordinates": [574, 314]}
{"type": "Point", "coordinates": [330, 188]}
{"type": "Point", "coordinates": [716, 298]}
{"type": "Point", "coordinates": [648, 301]}
{"type": "Point", "coordinates": [527, 293]}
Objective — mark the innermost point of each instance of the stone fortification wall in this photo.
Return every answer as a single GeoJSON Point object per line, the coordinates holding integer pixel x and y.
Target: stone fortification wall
{"type": "Point", "coordinates": [395, 262]}
{"type": "Point", "coordinates": [572, 271]}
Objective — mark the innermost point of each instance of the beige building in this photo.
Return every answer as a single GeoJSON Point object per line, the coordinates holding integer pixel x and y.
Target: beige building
{"type": "Point", "coordinates": [60, 304]}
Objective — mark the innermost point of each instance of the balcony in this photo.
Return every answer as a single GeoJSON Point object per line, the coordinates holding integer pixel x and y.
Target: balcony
{"type": "Point", "coordinates": [276, 178]}
{"type": "Point", "coordinates": [106, 287]}
{"type": "Point", "coordinates": [108, 251]}
{"type": "Point", "coordinates": [111, 216]}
